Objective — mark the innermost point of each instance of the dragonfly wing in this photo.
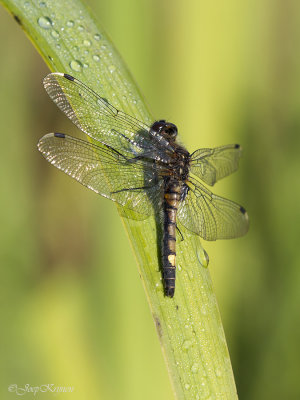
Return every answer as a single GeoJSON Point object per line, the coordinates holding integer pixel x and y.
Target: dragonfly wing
{"type": "Point", "coordinates": [103, 170]}
{"type": "Point", "coordinates": [96, 117]}
{"type": "Point", "coordinates": [211, 165]}
{"type": "Point", "coordinates": [210, 216]}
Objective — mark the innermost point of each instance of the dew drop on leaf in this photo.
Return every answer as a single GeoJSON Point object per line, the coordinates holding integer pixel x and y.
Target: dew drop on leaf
{"type": "Point", "coordinates": [76, 65]}
{"type": "Point", "coordinates": [195, 368]}
{"type": "Point", "coordinates": [202, 256]}
{"type": "Point", "coordinates": [187, 344]}
{"type": "Point", "coordinates": [54, 34]}
{"type": "Point", "coordinates": [45, 22]}
{"type": "Point", "coordinates": [87, 42]}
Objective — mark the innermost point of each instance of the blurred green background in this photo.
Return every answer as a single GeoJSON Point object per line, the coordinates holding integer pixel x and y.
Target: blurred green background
{"type": "Point", "coordinates": [73, 311]}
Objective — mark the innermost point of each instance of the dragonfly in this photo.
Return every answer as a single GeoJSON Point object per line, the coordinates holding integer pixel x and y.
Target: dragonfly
{"type": "Point", "coordinates": [143, 168]}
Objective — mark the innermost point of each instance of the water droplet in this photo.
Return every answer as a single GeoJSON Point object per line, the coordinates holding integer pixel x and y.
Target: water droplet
{"type": "Point", "coordinates": [54, 34]}
{"type": "Point", "coordinates": [58, 46]}
{"type": "Point", "coordinates": [42, 4]}
{"type": "Point", "coordinates": [75, 48]}
{"type": "Point", "coordinates": [45, 22]}
{"type": "Point", "coordinates": [70, 24]}
{"type": "Point", "coordinates": [26, 4]}
{"type": "Point", "coordinates": [195, 368]}
{"type": "Point", "coordinates": [112, 68]}
{"type": "Point", "coordinates": [203, 310]}
{"type": "Point", "coordinates": [202, 257]}
{"type": "Point", "coordinates": [187, 386]}
{"type": "Point", "coordinates": [179, 267]}
{"type": "Point", "coordinates": [80, 28]}
{"type": "Point", "coordinates": [86, 52]}
{"type": "Point", "coordinates": [97, 36]}
{"type": "Point", "coordinates": [103, 47]}
{"type": "Point", "coordinates": [190, 274]}
{"type": "Point", "coordinates": [85, 65]}
{"type": "Point", "coordinates": [87, 42]}
{"type": "Point", "coordinates": [76, 65]}
{"type": "Point", "coordinates": [218, 373]}
{"type": "Point", "coordinates": [96, 57]}
{"type": "Point", "coordinates": [187, 344]}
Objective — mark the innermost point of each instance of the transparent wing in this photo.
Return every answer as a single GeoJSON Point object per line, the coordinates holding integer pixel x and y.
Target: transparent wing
{"type": "Point", "coordinates": [210, 216]}
{"type": "Point", "coordinates": [98, 118]}
{"type": "Point", "coordinates": [133, 184]}
{"type": "Point", "coordinates": [211, 165]}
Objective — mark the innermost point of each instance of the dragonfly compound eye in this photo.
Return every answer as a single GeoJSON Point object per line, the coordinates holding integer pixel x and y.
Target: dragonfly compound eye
{"type": "Point", "coordinates": [170, 130]}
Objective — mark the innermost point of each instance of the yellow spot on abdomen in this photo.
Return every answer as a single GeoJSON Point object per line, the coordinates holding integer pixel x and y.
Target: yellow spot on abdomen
{"type": "Point", "coordinates": [171, 259]}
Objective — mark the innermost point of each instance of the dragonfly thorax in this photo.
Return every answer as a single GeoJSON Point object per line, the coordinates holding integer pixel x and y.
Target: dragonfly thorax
{"type": "Point", "coordinates": [180, 164]}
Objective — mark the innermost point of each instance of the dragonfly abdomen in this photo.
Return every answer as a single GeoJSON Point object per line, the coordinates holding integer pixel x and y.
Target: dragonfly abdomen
{"type": "Point", "coordinates": [170, 206]}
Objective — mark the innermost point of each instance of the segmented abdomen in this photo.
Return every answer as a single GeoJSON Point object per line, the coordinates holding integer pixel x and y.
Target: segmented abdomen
{"type": "Point", "coordinates": [170, 206]}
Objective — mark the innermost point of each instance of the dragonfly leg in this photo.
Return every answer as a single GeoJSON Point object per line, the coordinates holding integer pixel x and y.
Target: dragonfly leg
{"type": "Point", "coordinates": [180, 233]}
{"type": "Point", "coordinates": [132, 189]}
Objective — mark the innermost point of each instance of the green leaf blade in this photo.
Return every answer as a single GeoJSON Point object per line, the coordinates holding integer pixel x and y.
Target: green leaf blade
{"type": "Point", "coordinates": [189, 325]}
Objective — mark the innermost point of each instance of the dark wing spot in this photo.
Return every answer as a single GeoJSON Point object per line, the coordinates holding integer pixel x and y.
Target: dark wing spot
{"type": "Point", "coordinates": [59, 135]}
{"type": "Point", "coordinates": [17, 19]}
{"type": "Point", "coordinates": [237, 146]}
{"type": "Point", "coordinates": [242, 210]}
{"type": "Point", "coordinates": [67, 76]}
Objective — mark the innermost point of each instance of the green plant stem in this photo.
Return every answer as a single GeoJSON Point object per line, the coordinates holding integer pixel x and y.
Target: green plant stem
{"type": "Point", "coordinates": [189, 325]}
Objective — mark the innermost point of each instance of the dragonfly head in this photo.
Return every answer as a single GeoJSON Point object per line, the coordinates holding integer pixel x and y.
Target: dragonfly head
{"type": "Point", "coordinates": [166, 129]}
